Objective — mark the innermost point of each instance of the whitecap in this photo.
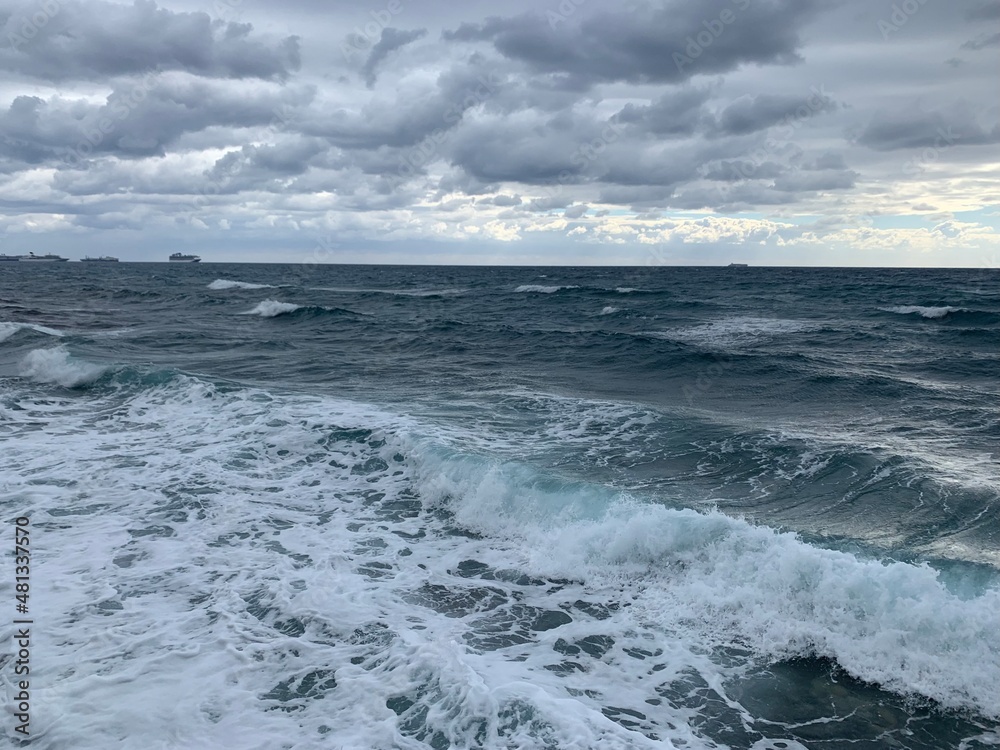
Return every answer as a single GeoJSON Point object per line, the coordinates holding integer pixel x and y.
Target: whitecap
{"type": "Point", "coordinates": [220, 284]}
{"type": "Point", "coordinates": [931, 313]}
{"type": "Point", "coordinates": [542, 289]}
{"type": "Point", "coordinates": [271, 308]}
{"type": "Point", "coordinates": [56, 366]}
{"type": "Point", "coordinates": [395, 292]}
{"type": "Point", "coordinates": [716, 579]}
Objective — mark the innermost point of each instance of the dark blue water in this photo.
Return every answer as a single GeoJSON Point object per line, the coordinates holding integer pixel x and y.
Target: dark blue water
{"type": "Point", "coordinates": [507, 507]}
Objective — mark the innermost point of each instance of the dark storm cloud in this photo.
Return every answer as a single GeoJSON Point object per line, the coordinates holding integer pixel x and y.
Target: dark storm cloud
{"type": "Point", "coordinates": [982, 41]}
{"type": "Point", "coordinates": [506, 154]}
{"type": "Point", "coordinates": [391, 40]}
{"type": "Point", "coordinates": [534, 148]}
{"type": "Point", "coordinates": [140, 118]}
{"type": "Point", "coordinates": [678, 113]}
{"type": "Point", "coordinates": [549, 203]}
{"type": "Point", "coordinates": [987, 11]}
{"type": "Point", "coordinates": [533, 119]}
{"type": "Point", "coordinates": [829, 160]}
{"type": "Point", "coordinates": [642, 167]}
{"type": "Point", "coordinates": [410, 115]}
{"type": "Point", "coordinates": [735, 170]}
{"type": "Point", "coordinates": [265, 167]}
{"type": "Point", "coordinates": [666, 44]}
{"type": "Point", "coordinates": [749, 114]}
{"type": "Point", "coordinates": [66, 39]}
{"type": "Point", "coordinates": [939, 130]}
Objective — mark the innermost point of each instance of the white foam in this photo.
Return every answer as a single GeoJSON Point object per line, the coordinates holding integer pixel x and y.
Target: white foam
{"type": "Point", "coordinates": [9, 329]}
{"type": "Point", "coordinates": [609, 310]}
{"type": "Point", "coordinates": [271, 308]}
{"type": "Point", "coordinates": [932, 313]}
{"type": "Point", "coordinates": [737, 331]}
{"type": "Point", "coordinates": [221, 284]}
{"type": "Point", "coordinates": [714, 578]}
{"type": "Point", "coordinates": [539, 289]}
{"type": "Point", "coordinates": [213, 542]}
{"type": "Point", "coordinates": [304, 540]}
{"type": "Point", "coordinates": [56, 366]}
{"type": "Point", "coordinates": [394, 292]}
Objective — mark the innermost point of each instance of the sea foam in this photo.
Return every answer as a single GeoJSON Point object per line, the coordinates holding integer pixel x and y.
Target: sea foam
{"type": "Point", "coordinates": [711, 578]}
{"type": "Point", "coordinates": [932, 313]}
{"type": "Point", "coordinates": [324, 569]}
{"type": "Point", "coordinates": [220, 284]}
{"type": "Point", "coordinates": [56, 366]}
{"type": "Point", "coordinates": [271, 308]}
{"type": "Point", "coordinates": [540, 289]}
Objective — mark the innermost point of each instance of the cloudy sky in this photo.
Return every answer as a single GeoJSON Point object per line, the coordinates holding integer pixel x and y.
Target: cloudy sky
{"type": "Point", "coordinates": [793, 132]}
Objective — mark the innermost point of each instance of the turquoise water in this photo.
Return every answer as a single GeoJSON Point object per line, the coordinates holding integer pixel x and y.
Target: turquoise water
{"type": "Point", "coordinates": [407, 507]}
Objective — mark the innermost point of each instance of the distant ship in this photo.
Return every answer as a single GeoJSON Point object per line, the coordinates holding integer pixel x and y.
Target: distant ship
{"type": "Point", "coordinates": [47, 258]}
{"type": "Point", "coordinates": [9, 257]}
{"type": "Point", "coordinates": [102, 259]}
{"type": "Point", "coordinates": [182, 258]}
{"type": "Point", "coordinates": [738, 265]}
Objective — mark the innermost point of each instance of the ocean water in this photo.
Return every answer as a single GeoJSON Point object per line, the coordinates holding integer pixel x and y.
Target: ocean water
{"type": "Point", "coordinates": [277, 506]}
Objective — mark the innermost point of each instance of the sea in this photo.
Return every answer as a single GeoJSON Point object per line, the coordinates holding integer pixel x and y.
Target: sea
{"type": "Point", "coordinates": [335, 507]}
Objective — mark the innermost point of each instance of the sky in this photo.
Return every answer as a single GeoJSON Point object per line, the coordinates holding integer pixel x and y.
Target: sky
{"type": "Point", "coordinates": [569, 132]}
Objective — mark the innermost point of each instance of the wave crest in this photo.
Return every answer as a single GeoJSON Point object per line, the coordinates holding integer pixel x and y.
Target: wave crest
{"type": "Point", "coordinates": [57, 367]}
{"type": "Point", "coordinates": [272, 308]}
{"type": "Point", "coordinates": [221, 284]}
{"type": "Point", "coordinates": [9, 329]}
{"type": "Point", "coordinates": [931, 313]}
{"type": "Point", "coordinates": [540, 289]}
{"type": "Point", "coordinates": [720, 578]}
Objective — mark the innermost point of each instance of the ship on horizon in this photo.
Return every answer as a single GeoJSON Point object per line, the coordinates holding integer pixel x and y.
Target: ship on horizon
{"type": "Point", "coordinates": [47, 258]}
{"type": "Point", "coordinates": [101, 259]}
{"type": "Point", "coordinates": [182, 258]}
